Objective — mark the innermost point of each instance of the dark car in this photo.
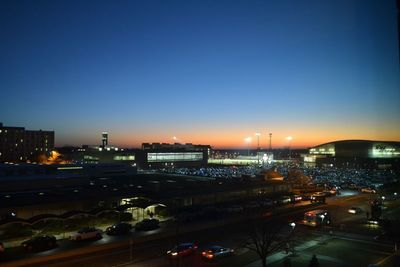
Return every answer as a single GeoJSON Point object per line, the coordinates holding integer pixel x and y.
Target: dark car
{"type": "Point", "coordinates": [214, 252]}
{"type": "Point", "coordinates": [119, 229]}
{"type": "Point", "coordinates": [40, 243]}
{"type": "Point", "coordinates": [147, 224]}
{"type": "Point", "coordinates": [181, 250]}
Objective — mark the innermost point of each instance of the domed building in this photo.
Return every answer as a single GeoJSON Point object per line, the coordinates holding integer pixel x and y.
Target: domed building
{"type": "Point", "coordinates": [356, 154]}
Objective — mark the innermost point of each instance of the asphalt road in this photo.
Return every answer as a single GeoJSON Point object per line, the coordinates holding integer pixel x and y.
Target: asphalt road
{"type": "Point", "coordinates": [152, 253]}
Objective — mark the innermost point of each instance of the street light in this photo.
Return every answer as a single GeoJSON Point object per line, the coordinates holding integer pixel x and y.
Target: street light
{"type": "Point", "coordinates": [248, 141]}
{"type": "Point", "coordinates": [289, 139]}
{"type": "Point", "coordinates": [258, 148]}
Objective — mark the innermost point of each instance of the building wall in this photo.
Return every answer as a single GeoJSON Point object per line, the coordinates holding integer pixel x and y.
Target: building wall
{"type": "Point", "coordinates": [356, 154]}
{"type": "Point", "coordinates": [20, 145]}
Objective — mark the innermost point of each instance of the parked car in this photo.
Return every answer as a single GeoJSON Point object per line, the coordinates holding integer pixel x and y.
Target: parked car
{"type": "Point", "coordinates": [267, 203]}
{"type": "Point", "coordinates": [87, 233]}
{"type": "Point", "coordinates": [235, 208]}
{"type": "Point", "coordinates": [354, 210]}
{"type": "Point", "coordinates": [147, 224]}
{"type": "Point", "coordinates": [40, 243]}
{"type": "Point", "coordinates": [214, 252]}
{"type": "Point", "coordinates": [119, 229]}
{"type": "Point", "coordinates": [181, 250]}
{"type": "Point", "coordinates": [251, 205]}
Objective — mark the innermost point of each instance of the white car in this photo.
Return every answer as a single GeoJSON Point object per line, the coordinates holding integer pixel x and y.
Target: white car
{"type": "Point", "coordinates": [86, 233]}
{"type": "Point", "coordinates": [354, 210]}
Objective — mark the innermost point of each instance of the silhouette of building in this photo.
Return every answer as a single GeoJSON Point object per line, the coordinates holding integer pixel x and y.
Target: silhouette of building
{"type": "Point", "coordinates": [20, 145]}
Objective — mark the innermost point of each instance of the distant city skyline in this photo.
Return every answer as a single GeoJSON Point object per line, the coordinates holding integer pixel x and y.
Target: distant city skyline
{"type": "Point", "coordinates": [206, 72]}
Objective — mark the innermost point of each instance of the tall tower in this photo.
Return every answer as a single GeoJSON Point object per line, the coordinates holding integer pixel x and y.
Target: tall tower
{"type": "Point", "coordinates": [104, 139]}
{"type": "Point", "coordinates": [270, 141]}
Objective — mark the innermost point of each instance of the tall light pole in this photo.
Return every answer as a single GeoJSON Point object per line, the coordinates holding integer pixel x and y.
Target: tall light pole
{"type": "Point", "coordinates": [258, 148]}
{"type": "Point", "coordinates": [248, 141]}
{"type": "Point", "coordinates": [289, 139]}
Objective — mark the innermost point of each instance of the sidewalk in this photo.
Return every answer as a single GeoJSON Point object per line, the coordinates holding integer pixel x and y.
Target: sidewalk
{"type": "Point", "coordinates": [278, 256]}
{"type": "Point", "coordinates": [302, 255]}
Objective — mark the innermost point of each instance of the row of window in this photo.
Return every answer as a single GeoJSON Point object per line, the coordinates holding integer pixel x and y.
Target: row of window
{"type": "Point", "coordinates": [174, 156]}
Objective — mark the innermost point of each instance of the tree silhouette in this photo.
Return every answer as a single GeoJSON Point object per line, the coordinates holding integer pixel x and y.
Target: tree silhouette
{"type": "Point", "coordinates": [267, 237]}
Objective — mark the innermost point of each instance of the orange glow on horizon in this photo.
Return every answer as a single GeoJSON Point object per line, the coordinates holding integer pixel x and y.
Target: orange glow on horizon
{"type": "Point", "coordinates": [226, 139]}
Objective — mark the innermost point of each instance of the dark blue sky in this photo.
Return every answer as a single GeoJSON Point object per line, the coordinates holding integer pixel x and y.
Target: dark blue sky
{"type": "Point", "coordinates": [205, 71]}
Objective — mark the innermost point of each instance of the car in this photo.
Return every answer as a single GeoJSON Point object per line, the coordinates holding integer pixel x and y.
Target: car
{"type": "Point", "coordinates": [147, 224]}
{"type": "Point", "coordinates": [181, 250]}
{"type": "Point", "coordinates": [251, 205]}
{"type": "Point", "coordinates": [121, 228]}
{"type": "Point", "coordinates": [372, 222]}
{"type": "Point", "coordinates": [368, 190]}
{"type": "Point", "coordinates": [267, 203]}
{"type": "Point", "coordinates": [354, 210]}
{"type": "Point", "coordinates": [235, 208]}
{"type": "Point", "coordinates": [40, 243]}
{"type": "Point", "coordinates": [214, 252]}
{"type": "Point", "coordinates": [86, 233]}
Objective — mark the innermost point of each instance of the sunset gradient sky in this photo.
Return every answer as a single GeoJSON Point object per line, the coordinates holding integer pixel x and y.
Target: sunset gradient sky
{"type": "Point", "coordinates": [208, 72]}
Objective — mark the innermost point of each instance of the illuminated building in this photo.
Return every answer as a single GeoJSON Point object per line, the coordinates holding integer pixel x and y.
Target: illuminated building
{"type": "Point", "coordinates": [20, 145]}
{"type": "Point", "coordinates": [173, 155]}
{"type": "Point", "coordinates": [356, 154]}
{"type": "Point", "coordinates": [98, 154]}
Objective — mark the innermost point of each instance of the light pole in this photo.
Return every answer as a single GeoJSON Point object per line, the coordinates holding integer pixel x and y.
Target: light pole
{"type": "Point", "coordinates": [323, 228]}
{"type": "Point", "coordinates": [289, 139]}
{"type": "Point", "coordinates": [248, 141]}
{"type": "Point", "coordinates": [258, 148]}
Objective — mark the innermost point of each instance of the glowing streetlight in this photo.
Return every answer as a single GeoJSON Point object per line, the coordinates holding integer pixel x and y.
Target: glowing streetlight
{"type": "Point", "coordinates": [258, 147]}
{"type": "Point", "coordinates": [289, 139]}
{"type": "Point", "coordinates": [248, 141]}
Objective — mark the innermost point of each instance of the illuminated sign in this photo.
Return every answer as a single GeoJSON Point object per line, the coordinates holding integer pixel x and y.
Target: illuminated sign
{"type": "Point", "coordinates": [384, 151]}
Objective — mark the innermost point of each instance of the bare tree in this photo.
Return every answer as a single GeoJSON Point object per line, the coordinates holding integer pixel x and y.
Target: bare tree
{"type": "Point", "coordinates": [268, 237]}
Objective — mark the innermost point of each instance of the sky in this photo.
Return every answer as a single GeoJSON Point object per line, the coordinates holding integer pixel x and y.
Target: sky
{"type": "Point", "coordinates": [207, 72]}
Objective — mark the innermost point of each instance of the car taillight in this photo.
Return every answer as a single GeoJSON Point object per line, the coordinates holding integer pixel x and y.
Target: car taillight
{"type": "Point", "coordinates": [203, 253]}
{"type": "Point", "coordinates": [210, 256]}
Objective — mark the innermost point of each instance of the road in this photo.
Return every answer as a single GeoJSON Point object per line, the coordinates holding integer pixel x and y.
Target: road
{"type": "Point", "coordinates": [152, 253]}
